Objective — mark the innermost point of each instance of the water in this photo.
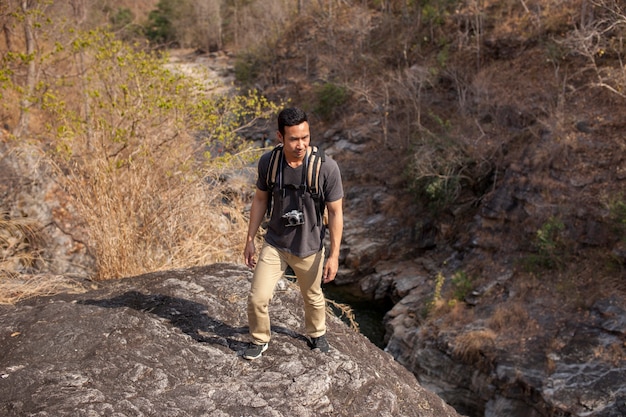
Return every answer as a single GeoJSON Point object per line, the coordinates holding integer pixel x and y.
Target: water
{"type": "Point", "coordinates": [368, 313]}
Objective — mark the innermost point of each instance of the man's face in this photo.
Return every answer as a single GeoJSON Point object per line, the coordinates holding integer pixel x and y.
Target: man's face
{"type": "Point", "coordinates": [295, 141]}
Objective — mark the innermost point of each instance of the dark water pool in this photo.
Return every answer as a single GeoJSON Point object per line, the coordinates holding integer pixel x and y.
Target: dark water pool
{"type": "Point", "coordinates": [368, 313]}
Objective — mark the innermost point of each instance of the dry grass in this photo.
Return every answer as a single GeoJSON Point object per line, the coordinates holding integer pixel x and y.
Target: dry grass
{"type": "Point", "coordinates": [19, 255]}
{"type": "Point", "coordinates": [344, 311]}
{"type": "Point", "coordinates": [475, 346]}
{"type": "Point", "coordinates": [18, 244]}
{"type": "Point", "coordinates": [151, 167]}
{"type": "Point", "coordinates": [451, 313]}
{"type": "Point", "coordinates": [16, 288]}
{"type": "Point", "coordinates": [512, 317]}
{"type": "Point", "coordinates": [143, 218]}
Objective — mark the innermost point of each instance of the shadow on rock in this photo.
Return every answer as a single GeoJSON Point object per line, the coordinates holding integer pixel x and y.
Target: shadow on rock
{"type": "Point", "coordinates": [190, 317]}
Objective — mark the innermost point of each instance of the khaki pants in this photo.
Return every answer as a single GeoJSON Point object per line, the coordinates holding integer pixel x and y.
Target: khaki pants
{"type": "Point", "coordinates": [269, 270]}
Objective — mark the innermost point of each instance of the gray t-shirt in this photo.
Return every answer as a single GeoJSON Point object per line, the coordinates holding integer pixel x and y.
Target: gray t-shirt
{"type": "Point", "coordinates": [308, 238]}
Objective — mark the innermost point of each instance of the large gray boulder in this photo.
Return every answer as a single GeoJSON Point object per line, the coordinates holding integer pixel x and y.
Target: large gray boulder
{"type": "Point", "coordinates": [170, 344]}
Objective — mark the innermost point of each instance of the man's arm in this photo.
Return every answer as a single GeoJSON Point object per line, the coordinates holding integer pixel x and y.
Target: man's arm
{"type": "Point", "coordinates": [335, 227]}
{"type": "Point", "coordinates": [257, 212]}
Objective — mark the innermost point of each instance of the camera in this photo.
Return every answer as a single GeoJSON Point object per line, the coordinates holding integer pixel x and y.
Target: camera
{"type": "Point", "coordinates": [294, 218]}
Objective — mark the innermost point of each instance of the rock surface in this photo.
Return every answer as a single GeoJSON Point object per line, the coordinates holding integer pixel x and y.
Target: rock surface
{"type": "Point", "coordinates": [170, 344]}
{"type": "Point", "coordinates": [576, 368]}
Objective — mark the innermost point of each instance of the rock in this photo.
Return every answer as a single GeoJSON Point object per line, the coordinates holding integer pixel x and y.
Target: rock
{"type": "Point", "coordinates": [170, 344]}
{"type": "Point", "coordinates": [583, 376]}
{"type": "Point", "coordinates": [610, 316]}
{"type": "Point", "coordinates": [28, 192]}
{"type": "Point", "coordinates": [584, 126]}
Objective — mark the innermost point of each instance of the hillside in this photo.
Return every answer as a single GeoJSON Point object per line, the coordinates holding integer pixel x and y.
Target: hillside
{"type": "Point", "coordinates": [515, 264]}
{"type": "Point", "coordinates": [523, 121]}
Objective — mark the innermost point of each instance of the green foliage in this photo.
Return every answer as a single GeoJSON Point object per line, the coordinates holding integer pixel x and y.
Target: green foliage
{"type": "Point", "coordinates": [547, 237]}
{"type": "Point", "coordinates": [185, 24]}
{"type": "Point", "coordinates": [223, 116]}
{"type": "Point", "coordinates": [617, 209]}
{"type": "Point", "coordinates": [246, 69]}
{"type": "Point", "coordinates": [160, 29]}
{"type": "Point", "coordinates": [437, 171]}
{"type": "Point", "coordinates": [462, 284]}
{"type": "Point", "coordinates": [443, 56]}
{"type": "Point", "coordinates": [440, 280]}
{"type": "Point", "coordinates": [24, 65]}
{"type": "Point", "coordinates": [555, 52]}
{"type": "Point", "coordinates": [434, 14]}
{"type": "Point", "coordinates": [122, 18]}
{"type": "Point", "coordinates": [329, 97]}
{"type": "Point", "coordinates": [549, 247]}
{"type": "Point", "coordinates": [123, 24]}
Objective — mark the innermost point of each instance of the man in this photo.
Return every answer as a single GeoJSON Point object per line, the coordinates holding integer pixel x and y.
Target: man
{"type": "Point", "coordinates": [295, 234]}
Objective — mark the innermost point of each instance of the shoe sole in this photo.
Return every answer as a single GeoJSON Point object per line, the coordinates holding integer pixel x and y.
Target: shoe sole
{"type": "Point", "coordinates": [321, 350]}
{"type": "Point", "coordinates": [325, 350]}
{"type": "Point", "coordinates": [257, 356]}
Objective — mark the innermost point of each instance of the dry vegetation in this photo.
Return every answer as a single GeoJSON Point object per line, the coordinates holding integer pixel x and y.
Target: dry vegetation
{"type": "Point", "coordinates": [475, 346]}
{"type": "Point", "coordinates": [148, 168]}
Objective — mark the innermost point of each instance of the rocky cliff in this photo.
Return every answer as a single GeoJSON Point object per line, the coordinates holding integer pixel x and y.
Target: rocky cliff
{"type": "Point", "coordinates": [493, 319]}
{"type": "Point", "coordinates": [170, 344]}
{"type": "Point", "coordinates": [512, 305]}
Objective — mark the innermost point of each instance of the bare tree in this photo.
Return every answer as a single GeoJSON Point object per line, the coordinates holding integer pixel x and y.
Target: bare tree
{"type": "Point", "coordinates": [6, 20]}
{"type": "Point", "coordinates": [209, 24]}
{"type": "Point", "coordinates": [602, 32]}
{"type": "Point", "coordinates": [27, 8]}
{"type": "Point", "coordinates": [79, 10]}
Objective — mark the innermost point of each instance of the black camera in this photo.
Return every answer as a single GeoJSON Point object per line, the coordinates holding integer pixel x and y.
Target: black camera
{"type": "Point", "coordinates": [294, 218]}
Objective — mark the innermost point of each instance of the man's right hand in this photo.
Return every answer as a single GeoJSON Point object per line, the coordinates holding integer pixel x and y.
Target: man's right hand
{"type": "Point", "coordinates": [257, 212]}
{"type": "Point", "coordinates": [249, 253]}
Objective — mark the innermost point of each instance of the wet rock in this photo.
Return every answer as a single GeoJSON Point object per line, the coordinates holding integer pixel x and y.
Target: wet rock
{"type": "Point", "coordinates": [170, 344]}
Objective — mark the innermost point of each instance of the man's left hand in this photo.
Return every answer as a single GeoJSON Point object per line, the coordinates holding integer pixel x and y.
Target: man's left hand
{"type": "Point", "coordinates": [330, 270]}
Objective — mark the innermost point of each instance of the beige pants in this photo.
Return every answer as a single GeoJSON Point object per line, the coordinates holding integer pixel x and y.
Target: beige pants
{"type": "Point", "coordinates": [269, 270]}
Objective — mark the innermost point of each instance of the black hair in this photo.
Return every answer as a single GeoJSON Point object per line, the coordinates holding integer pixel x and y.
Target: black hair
{"type": "Point", "coordinates": [291, 116]}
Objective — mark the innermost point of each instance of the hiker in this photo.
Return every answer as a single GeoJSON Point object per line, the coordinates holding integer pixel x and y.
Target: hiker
{"type": "Point", "coordinates": [296, 183]}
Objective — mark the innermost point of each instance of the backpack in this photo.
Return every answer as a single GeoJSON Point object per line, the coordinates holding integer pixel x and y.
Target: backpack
{"type": "Point", "coordinates": [313, 165]}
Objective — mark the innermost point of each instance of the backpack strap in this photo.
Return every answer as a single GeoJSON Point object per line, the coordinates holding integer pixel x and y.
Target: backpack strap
{"type": "Point", "coordinates": [272, 171]}
{"type": "Point", "coordinates": [314, 167]}
{"type": "Point", "coordinates": [314, 159]}
{"type": "Point", "coordinates": [313, 170]}
{"type": "Point", "coordinates": [276, 160]}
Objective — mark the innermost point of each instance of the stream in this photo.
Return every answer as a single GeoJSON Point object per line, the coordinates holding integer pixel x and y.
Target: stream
{"type": "Point", "coordinates": [368, 313]}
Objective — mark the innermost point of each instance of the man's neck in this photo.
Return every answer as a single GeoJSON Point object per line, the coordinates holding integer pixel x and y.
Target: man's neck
{"type": "Point", "coordinates": [295, 163]}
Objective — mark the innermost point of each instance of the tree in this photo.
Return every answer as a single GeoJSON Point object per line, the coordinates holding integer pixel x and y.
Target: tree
{"type": "Point", "coordinates": [186, 23]}
{"type": "Point", "coordinates": [137, 165]}
{"type": "Point", "coordinates": [29, 10]}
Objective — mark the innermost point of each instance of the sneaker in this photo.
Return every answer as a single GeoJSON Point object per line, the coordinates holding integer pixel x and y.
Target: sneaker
{"type": "Point", "coordinates": [254, 351]}
{"type": "Point", "coordinates": [320, 343]}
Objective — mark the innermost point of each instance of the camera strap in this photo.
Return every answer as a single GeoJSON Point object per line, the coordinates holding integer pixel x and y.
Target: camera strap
{"type": "Point", "coordinates": [305, 168]}
{"type": "Point", "coordinates": [310, 177]}
{"type": "Point", "coordinates": [301, 190]}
